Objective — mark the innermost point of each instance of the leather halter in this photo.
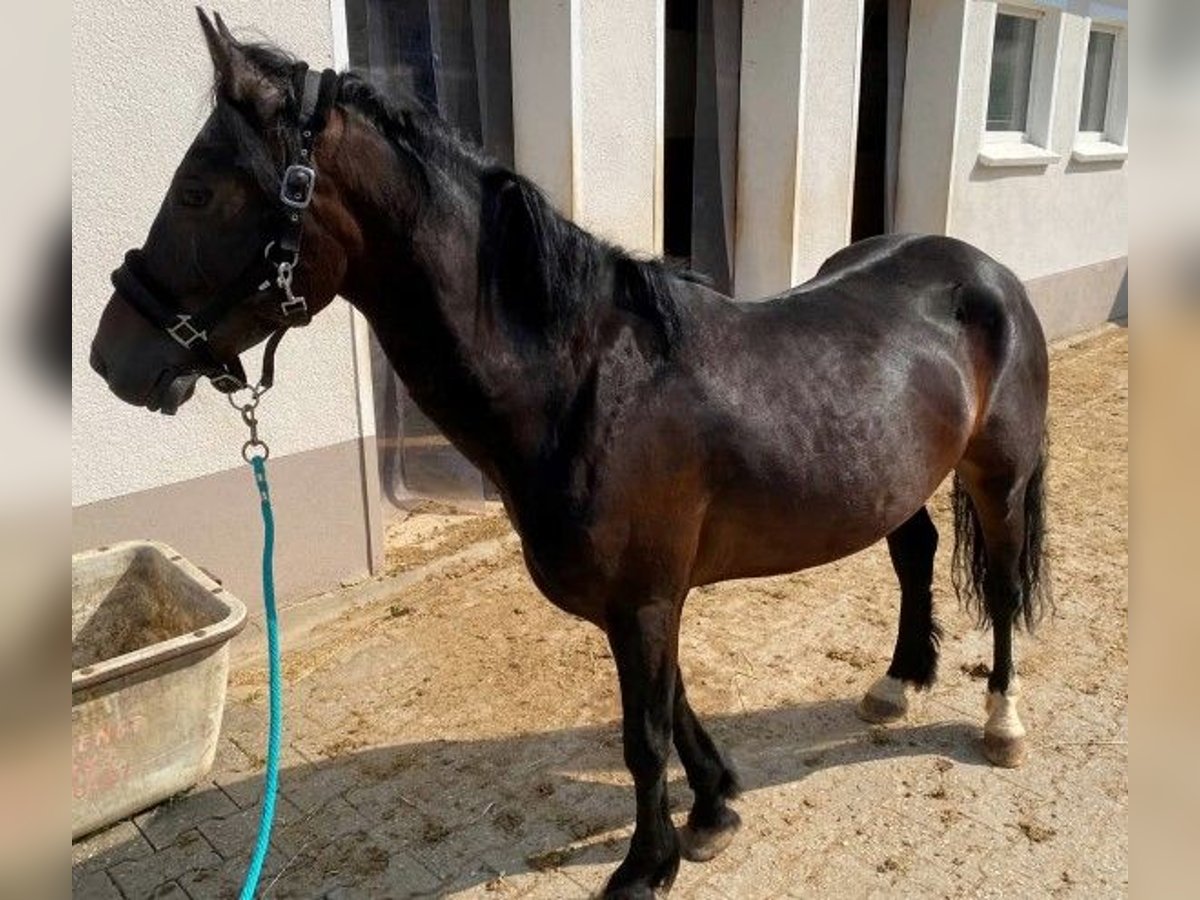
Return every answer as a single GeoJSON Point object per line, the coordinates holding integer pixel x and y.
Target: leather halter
{"type": "Point", "coordinates": [275, 268]}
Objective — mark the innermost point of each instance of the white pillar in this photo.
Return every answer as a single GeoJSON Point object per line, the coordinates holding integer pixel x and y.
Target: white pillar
{"type": "Point", "coordinates": [544, 74]}
{"type": "Point", "coordinates": [797, 138]}
{"type": "Point", "coordinates": [825, 197]}
{"type": "Point", "coordinates": [587, 111]}
{"type": "Point", "coordinates": [619, 188]}
{"type": "Point", "coordinates": [769, 140]}
{"type": "Point", "coordinates": [928, 131]}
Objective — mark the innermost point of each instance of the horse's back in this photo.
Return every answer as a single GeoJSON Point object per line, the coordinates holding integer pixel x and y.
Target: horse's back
{"type": "Point", "coordinates": [846, 400]}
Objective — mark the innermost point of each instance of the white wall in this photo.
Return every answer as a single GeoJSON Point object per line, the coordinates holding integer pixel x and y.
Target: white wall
{"type": "Point", "coordinates": [796, 141]}
{"type": "Point", "coordinates": [618, 187]}
{"type": "Point", "coordinates": [142, 76]}
{"type": "Point", "coordinates": [587, 111]}
{"type": "Point", "coordinates": [928, 125]}
{"type": "Point", "coordinates": [830, 129]}
{"type": "Point", "coordinates": [545, 135]}
{"type": "Point", "coordinates": [1038, 220]}
{"type": "Point", "coordinates": [769, 142]}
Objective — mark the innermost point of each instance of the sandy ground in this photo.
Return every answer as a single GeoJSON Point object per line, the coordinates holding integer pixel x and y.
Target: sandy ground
{"type": "Point", "coordinates": [460, 736]}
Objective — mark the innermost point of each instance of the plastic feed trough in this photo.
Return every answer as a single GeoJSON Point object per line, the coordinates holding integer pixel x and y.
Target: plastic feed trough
{"type": "Point", "coordinates": [150, 657]}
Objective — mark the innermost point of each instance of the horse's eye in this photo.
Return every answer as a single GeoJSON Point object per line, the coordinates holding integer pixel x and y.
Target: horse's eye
{"type": "Point", "coordinates": [195, 196]}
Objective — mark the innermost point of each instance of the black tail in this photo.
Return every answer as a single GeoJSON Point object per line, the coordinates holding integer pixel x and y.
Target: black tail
{"type": "Point", "coordinates": [969, 563]}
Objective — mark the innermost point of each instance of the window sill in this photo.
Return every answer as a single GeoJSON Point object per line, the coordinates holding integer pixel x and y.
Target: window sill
{"type": "Point", "coordinates": [1099, 152]}
{"type": "Point", "coordinates": [1001, 155]}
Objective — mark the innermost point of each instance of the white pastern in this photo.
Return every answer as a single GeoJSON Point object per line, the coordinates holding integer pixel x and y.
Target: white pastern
{"type": "Point", "coordinates": [1003, 720]}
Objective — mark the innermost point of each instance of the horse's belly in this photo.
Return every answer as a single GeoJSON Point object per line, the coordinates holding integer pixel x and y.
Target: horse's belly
{"type": "Point", "coordinates": [829, 463]}
{"type": "Point", "coordinates": [754, 545]}
{"type": "Point", "coordinates": [768, 523]}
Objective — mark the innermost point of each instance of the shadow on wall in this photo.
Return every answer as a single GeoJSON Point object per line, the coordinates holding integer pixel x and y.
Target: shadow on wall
{"type": "Point", "coordinates": [982, 173]}
{"type": "Point", "coordinates": [432, 817]}
{"type": "Point", "coordinates": [1119, 313]}
{"type": "Point", "coordinates": [1089, 168]}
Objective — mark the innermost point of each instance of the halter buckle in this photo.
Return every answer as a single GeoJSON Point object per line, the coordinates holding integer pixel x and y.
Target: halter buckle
{"type": "Point", "coordinates": [226, 382]}
{"type": "Point", "coordinates": [296, 189]}
{"type": "Point", "coordinates": [184, 333]}
{"type": "Point", "coordinates": [293, 305]}
{"type": "Point", "coordinates": [290, 302]}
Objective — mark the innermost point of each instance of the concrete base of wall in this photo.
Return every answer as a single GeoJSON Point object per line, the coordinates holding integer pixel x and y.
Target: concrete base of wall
{"type": "Point", "coordinates": [327, 522]}
{"type": "Point", "coordinates": [1079, 299]}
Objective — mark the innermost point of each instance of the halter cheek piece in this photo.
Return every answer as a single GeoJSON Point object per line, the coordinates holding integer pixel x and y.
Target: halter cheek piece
{"type": "Point", "coordinates": [275, 269]}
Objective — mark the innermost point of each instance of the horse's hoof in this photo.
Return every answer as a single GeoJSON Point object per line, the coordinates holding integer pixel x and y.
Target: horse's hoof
{"type": "Point", "coordinates": [698, 844]}
{"type": "Point", "coordinates": [626, 886]}
{"type": "Point", "coordinates": [1004, 751]}
{"type": "Point", "coordinates": [878, 711]}
{"type": "Point", "coordinates": [884, 702]}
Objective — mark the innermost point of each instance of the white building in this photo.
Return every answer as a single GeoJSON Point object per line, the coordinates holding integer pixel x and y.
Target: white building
{"type": "Point", "coordinates": [755, 137]}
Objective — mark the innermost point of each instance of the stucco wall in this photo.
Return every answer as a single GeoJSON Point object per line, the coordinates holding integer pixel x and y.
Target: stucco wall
{"type": "Point", "coordinates": [830, 129]}
{"type": "Point", "coordinates": [617, 191]}
{"type": "Point", "coordinates": [142, 75]}
{"type": "Point", "coordinates": [544, 89]}
{"type": "Point", "coordinates": [928, 124]}
{"type": "Point", "coordinates": [769, 141]}
{"type": "Point", "coordinates": [797, 132]}
{"type": "Point", "coordinates": [587, 112]}
{"type": "Point", "coordinates": [1038, 221]}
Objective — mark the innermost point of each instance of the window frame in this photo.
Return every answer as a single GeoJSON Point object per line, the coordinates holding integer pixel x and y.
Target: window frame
{"type": "Point", "coordinates": [1110, 144]}
{"type": "Point", "coordinates": [1013, 137]}
{"type": "Point", "coordinates": [1032, 147]}
{"type": "Point", "coordinates": [1091, 137]}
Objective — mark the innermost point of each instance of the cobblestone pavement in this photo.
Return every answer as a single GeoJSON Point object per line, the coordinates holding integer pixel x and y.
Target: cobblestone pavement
{"type": "Point", "coordinates": [453, 735]}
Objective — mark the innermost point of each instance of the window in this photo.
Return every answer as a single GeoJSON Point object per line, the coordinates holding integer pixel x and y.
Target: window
{"type": "Point", "coordinates": [1097, 80]}
{"type": "Point", "coordinates": [1103, 101]}
{"type": "Point", "coordinates": [1012, 75]}
{"type": "Point", "coordinates": [1021, 87]}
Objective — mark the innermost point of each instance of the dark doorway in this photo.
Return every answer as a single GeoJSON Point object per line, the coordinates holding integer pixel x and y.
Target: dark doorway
{"type": "Point", "coordinates": [702, 81]}
{"type": "Point", "coordinates": [880, 101]}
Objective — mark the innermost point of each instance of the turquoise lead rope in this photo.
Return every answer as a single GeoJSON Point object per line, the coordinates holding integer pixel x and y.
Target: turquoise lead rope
{"type": "Point", "coordinates": [271, 781]}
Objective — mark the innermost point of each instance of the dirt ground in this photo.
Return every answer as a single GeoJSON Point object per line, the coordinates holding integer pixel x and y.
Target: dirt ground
{"type": "Point", "coordinates": [460, 736]}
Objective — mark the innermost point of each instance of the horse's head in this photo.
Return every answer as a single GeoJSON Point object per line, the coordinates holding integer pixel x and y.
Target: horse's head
{"type": "Point", "coordinates": [244, 210]}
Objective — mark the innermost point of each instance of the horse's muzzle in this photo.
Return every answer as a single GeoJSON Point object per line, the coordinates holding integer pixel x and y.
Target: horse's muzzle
{"type": "Point", "coordinates": [170, 390]}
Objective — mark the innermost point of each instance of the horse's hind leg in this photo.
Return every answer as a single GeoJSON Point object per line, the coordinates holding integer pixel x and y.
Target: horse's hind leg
{"type": "Point", "coordinates": [998, 508]}
{"type": "Point", "coordinates": [711, 824]}
{"type": "Point", "coordinates": [1005, 515]}
{"type": "Point", "coordinates": [914, 661]}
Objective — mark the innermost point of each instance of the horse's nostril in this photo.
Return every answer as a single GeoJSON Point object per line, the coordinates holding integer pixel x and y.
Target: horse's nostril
{"type": "Point", "coordinates": [98, 364]}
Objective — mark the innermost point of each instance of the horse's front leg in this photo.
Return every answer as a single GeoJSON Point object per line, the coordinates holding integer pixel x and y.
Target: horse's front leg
{"type": "Point", "coordinates": [644, 640]}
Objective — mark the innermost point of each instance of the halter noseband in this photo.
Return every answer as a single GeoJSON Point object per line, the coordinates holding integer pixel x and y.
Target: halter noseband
{"type": "Point", "coordinates": [275, 268]}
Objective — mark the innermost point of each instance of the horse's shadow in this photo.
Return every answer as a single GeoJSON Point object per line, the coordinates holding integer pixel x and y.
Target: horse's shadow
{"type": "Point", "coordinates": [434, 817]}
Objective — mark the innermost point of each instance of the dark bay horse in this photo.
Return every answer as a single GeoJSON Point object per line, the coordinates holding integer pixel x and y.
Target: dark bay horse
{"type": "Point", "coordinates": [646, 433]}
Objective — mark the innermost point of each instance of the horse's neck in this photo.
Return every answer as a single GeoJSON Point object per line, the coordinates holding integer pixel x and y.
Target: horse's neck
{"type": "Point", "coordinates": [449, 342]}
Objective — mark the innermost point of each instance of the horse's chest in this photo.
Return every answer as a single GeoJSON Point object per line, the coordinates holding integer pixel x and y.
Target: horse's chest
{"type": "Point", "coordinates": [566, 570]}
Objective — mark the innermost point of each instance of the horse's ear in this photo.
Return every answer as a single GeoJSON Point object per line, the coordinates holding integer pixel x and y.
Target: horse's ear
{"type": "Point", "coordinates": [221, 27]}
{"type": "Point", "coordinates": [236, 77]}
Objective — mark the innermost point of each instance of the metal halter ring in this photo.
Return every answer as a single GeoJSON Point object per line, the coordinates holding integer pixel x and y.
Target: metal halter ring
{"type": "Point", "coordinates": [251, 420]}
{"type": "Point", "coordinates": [256, 392]}
{"type": "Point", "coordinates": [248, 450]}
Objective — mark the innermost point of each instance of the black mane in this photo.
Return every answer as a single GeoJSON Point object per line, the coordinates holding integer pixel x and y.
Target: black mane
{"type": "Point", "coordinates": [530, 251]}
